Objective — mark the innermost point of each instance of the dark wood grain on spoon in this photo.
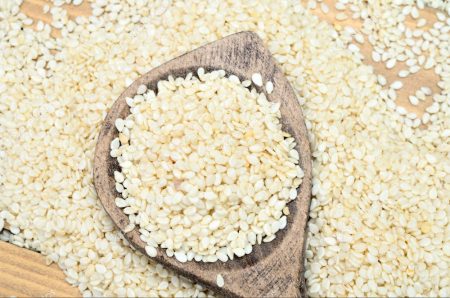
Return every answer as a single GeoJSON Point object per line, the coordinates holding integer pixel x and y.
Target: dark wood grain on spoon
{"type": "Point", "coordinates": [273, 269]}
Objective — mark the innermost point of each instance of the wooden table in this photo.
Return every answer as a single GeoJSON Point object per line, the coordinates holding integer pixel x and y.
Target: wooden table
{"type": "Point", "coordinates": [24, 273]}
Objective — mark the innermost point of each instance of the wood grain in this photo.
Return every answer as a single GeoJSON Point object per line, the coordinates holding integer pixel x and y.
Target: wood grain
{"type": "Point", "coordinates": [24, 273]}
{"type": "Point", "coordinates": [272, 269]}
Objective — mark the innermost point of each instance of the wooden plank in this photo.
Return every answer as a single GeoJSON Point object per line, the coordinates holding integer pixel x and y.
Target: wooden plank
{"type": "Point", "coordinates": [24, 273]}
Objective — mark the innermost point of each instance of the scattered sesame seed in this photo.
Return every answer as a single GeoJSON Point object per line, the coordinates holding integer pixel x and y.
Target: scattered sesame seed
{"type": "Point", "coordinates": [101, 56]}
{"type": "Point", "coordinates": [403, 73]}
{"type": "Point", "coordinates": [151, 251]}
{"type": "Point", "coordinates": [376, 57]}
{"type": "Point", "coordinates": [341, 16]}
{"type": "Point", "coordinates": [220, 281]}
{"type": "Point", "coordinates": [397, 85]}
{"type": "Point", "coordinates": [269, 87]}
{"type": "Point", "coordinates": [391, 63]}
{"type": "Point", "coordinates": [257, 79]}
{"type": "Point", "coordinates": [381, 80]}
{"type": "Point", "coordinates": [325, 9]}
{"type": "Point", "coordinates": [413, 100]}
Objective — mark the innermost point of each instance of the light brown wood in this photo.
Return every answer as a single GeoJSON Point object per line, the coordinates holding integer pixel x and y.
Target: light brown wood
{"type": "Point", "coordinates": [33, 8]}
{"type": "Point", "coordinates": [273, 269]}
{"type": "Point", "coordinates": [24, 273]}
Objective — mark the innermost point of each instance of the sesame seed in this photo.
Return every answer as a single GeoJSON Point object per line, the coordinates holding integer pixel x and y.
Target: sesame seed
{"type": "Point", "coordinates": [257, 79]}
{"type": "Point", "coordinates": [220, 281]}
{"type": "Point", "coordinates": [269, 87]}
{"type": "Point", "coordinates": [151, 251]}
{"type": "Point", "coordinates": [403, 73]}
{"type": "Point", "coordinates": [72, 81]}
{"type": "Point", "coordinates": [396, 85]}
{"type": "Point", "coordinates": [391, 63]}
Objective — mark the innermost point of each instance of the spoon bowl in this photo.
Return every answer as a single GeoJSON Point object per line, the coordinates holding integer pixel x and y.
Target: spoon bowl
{"type": "Point", "coordinates": [272, 269]}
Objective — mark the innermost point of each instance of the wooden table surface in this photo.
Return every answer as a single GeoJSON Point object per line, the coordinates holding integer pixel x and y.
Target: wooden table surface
{"type": "Point", "coordinates": [24, 272]}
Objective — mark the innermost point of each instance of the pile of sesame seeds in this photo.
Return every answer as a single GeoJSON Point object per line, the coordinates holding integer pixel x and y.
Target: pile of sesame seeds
{"type": "Point", "coordinates": [379, 214]}
{"type": "Point", "coordinates": [206, 170]}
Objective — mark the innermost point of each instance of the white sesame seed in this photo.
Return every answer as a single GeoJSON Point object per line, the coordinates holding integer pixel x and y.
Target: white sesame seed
{"type": "Point", "coordinates": [359, 38]}
{"type": "Point", "coordinates": [415, 12]}
{"type": "Point", "coordinates": [325, 9]}
{"type": "Point", "coordinates": [129, 228]}
{"type": "Point", "coordinates": [414, 69]}
{"type": "Point", "coordinates": [151, 251]}
{"type": "Point", "coordinates": [426, 90]}
{"type": "Point", "coordinates": [413, 100]}
{"type": "Point", "coordinates": [420, 95]}
{"type": "Point", "coordinates": [220, 281]}
{"type": "Point", "coordinates": [391, 63]}
{"type": "Point", "coordinates": [312, 4]}
{"type": "Point", "coordinates": [120, 124]}
{"type": "Point", "coordinates": [234, 79]}
{"type": "Point", "coordinates": [392, 94]}
{"type": "Point", "coordinates": [100, 268]}
{"type": "Point", "coordinates": [246, 83]}
{"type": "Point", "coordinates": [340, 6]}
{"type": "Point", "coordinates": [396, 85]}
{"type": "Point", "coordinates": [381, 80]}
{"type": "Point", "coordinates": [353, 48]}
{"type": "Point", "coordinates": [411, 116]}
{"type": "Point", "coordinates": [440, 16]}
{"type": "Point", "coordinates": [181, 257]}
{"type": "Point", "coordinates": [421, 22]}
{"type": "Point", "coordinates": [45, 8]}
{"type": "Point", "coordinates": [425, 118]}
{"type": "Point", "coordinates": [411, 62]}
{"type": "Point", "coordinates": [434, 108]}
{"type": "Point", "coordinates": [376, 57]}
{"type": "Point", "coordinates": [421, 59]}
{"type": "Point", "coordinates": [141, 89]}
{"type": "Point", "coordinates": [28, 22]}
{"type": "Point", "coordinates": [40, 26]}
{"type": "Point", "coordinates": [341, 16]}
{"type": "Point", "coordinates": [401, 110]}
{"type": "Point", "coordinates": [269, 87]}
{"type": "Point", "coordinates": [403, 73]}
{"type": "Point", "coordinates": [257, 79]}
{"type": "Point", "coordinates": [429, 64]}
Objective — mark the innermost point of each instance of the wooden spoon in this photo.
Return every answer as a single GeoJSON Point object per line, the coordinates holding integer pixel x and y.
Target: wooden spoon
{"type": "Point", "coordinates": [273, 269]}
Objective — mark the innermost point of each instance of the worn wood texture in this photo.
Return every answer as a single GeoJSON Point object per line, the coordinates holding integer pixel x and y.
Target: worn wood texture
{"type": "Point", "coordinates": [272, 269]}
{"type": "Point", "coordinates": [24, 273]}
